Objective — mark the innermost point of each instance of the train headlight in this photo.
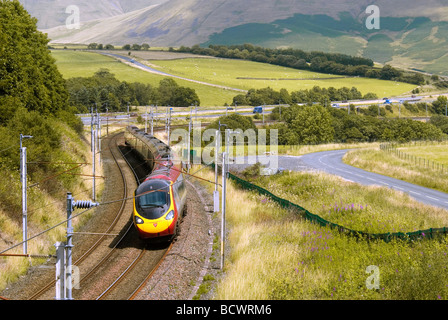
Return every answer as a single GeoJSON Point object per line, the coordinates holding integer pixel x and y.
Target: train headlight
{"type": "Point", "coordinates": [138, 220]}
{"type": "Point", "coordinates": [170, 215]}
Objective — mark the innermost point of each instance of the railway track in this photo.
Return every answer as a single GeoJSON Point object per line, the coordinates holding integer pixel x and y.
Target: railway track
{"type": "Point", "coordinates": [144, 256]}
{"type": "Point", "coordinates": [101, 238]}
{"type": "Point", "coordinates": [105, 264]}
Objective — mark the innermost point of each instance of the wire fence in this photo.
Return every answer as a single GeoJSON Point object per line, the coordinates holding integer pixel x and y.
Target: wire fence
{"type": "Point", "coordinates": [393, 148]}
{"type": "Point", "coordinates": [431, 233]}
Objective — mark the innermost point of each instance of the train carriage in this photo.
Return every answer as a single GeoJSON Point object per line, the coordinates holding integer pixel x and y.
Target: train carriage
{"type": "Point", "coordinates": [159, 201]}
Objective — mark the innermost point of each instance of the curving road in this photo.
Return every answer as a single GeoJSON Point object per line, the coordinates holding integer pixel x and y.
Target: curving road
{"type": "Point", "coordinates": [331, 162]}
{"type": "Point", "coordinates": [133, 63]}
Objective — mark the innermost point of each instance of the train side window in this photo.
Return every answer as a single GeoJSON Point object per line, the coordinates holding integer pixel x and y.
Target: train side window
{"type": "Point", "coordinates": [181, 184]}
{"type": "Point", "coordinates": [176, 195]}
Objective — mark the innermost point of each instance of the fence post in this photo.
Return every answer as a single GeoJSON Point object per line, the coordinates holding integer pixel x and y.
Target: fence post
{"type": "Point", "coordinates": [223, 207]}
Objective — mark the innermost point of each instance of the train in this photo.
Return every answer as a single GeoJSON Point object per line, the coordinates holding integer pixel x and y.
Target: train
{"type": "Point", "coordinates": [160, 200]}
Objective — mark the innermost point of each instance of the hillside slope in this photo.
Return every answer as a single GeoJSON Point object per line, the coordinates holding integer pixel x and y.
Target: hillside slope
{"type": "Point", "coordinates": [188, 22]}
{"type": "Point", "coordinates": [51, 13]}
{"type": "Point", "coordinates": [412, 34]}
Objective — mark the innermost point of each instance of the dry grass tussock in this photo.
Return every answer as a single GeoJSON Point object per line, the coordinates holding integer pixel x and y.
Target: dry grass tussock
{"type": "Point", "coordinates": [278, 255]}
{"type": "Point", "coordinates": [374, 160]}
{"type": "Point", "coordinates": [45, 209]}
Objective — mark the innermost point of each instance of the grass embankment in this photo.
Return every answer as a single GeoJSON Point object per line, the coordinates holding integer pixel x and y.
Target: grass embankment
{"type": "Point", "coordinates": [275, 254]}
{"type": "Point", "coordinates": [406, 169]}
{"type": "Point", "coordinates": [46, 204]}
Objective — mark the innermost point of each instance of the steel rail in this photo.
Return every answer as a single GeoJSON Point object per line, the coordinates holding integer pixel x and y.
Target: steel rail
{"type": "Point", "coordinates": [145, 281]}
{"type": "Point", "coordinates": [103, 237]}
{"type": "Point", "coordinates": [122, 275]}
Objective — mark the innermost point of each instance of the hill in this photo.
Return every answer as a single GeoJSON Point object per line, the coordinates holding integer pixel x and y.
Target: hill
{"type": "Point", "coordinates": [51, 13]}
{"type": "Point", "coordinates": [412, 34]}
{"type": "Point", "coordinates": [187, 22]}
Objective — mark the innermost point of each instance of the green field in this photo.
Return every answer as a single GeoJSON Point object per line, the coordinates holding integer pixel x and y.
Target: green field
{"type": "Point", "coordinates": [437, 152]}
{"type": "Point", "coordinates": [228, 72]}
{"type": "Point", "coordinates": [220, 72]}
{"type": "Point", "coordinates": [85, 64]}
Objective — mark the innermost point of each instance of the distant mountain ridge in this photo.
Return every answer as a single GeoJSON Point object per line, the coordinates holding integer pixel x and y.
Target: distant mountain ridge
{"type": "Point", "coordinates": [413, 34]}
{"type": "Point", "coordinates": [51, 13]}
{"type": "Point", "coordinates": [189, 22]}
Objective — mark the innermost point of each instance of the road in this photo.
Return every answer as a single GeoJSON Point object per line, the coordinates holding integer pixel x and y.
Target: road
{"type": "Point", "coordinates": [331, 162]}
{"type": "Point", "coordinates": [133, 63]}
{"type": "Point", "coordinates": [178, 115]}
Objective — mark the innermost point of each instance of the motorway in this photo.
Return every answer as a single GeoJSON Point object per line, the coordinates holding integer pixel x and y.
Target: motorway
{"type": "Point", "coordinates": [177, 115]}
{"type": "Point", "coordinates": [331, 162]}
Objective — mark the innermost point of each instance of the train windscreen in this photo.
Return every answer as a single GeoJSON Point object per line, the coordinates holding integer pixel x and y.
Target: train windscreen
{"type": "Point", "coordinates": [153, 199]}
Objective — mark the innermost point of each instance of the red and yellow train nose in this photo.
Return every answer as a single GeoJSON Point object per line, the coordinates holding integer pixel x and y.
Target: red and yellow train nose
{"type": "Point", "coordinates": [148, 229]}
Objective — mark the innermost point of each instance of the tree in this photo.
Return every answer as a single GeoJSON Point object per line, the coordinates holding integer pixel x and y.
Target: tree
{"type": "Point", "coordinates": [233, 121]}
{"type": "Point", "coordinates": [313, 125]}
{"type": "Point", "coordinates": [136, 47]}
{"type": "Point", "coordinates": [46, 139]}
{"type": "Point", "coordinates": [126, 47]}
{"type": "Point", "coordinates": [171, 94]}
{"type": "Point", "coordinates": [389, 73]}
{"type": "Point", "coordinates": [184, 97]}
{"type": "Point", "coordinates": [143, 93]}
{"type": "Point", "coordinates": [145, 46]}
{"type": "Point", "coordinates": [240, 100]}
{"type": "Point", "coordinates": [92, 46]}
{"type": "Point", "coordinates": [166, 89]}
{"type": "Point", "coordinates": [440, 105]}
{"type": "Point", "coordinates": [8, 106]}
{"type": "Point", "coordinates": [370, 96]}
{"type": "Point", "coordinates": [28, 73]}
{"type": "Point", "coordinates": [440, 122]}
{"type": "Point", "coordinates": [284, 97]}
{"type": "Point", "coordinates": [435, 77]}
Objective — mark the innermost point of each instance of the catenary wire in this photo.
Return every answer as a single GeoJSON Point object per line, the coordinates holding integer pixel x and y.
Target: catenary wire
{"type": "Point", "coordinates": [100, 204]}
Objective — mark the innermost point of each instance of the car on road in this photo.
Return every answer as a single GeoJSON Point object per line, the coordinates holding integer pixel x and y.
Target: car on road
{"type": "Point", "coordinates": [258, 110]}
